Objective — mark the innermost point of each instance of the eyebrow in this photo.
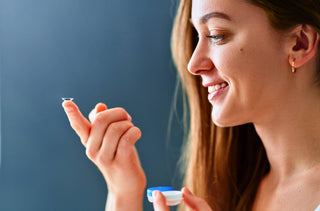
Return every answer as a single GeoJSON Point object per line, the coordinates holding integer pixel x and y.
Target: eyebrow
{"type": "Point", "coordinates": [210, 15]}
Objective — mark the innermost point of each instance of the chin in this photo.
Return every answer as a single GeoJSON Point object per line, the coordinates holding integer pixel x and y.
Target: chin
{"type": "Point", "coordinates": [222, 124]}
{"type": "Point", "coordinates": [222, 121]}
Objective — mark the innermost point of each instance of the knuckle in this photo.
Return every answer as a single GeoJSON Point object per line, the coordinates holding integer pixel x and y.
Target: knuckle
{"type": "Point", "coordinates": [103, 117]}
{"type": "Point", "coordinates": [99, 119]}
{"type": "Point", "coordinates": [137, 132]}
{"type": "Point", "coordinates": [119, 127]}
{"type": "Point", "coordinates": [91, 154]}
{"type": "Point", "coordinates": [132, 135]}
{"type": "Point", "coordinates": [115, 127]}
{"type": "Point", "coordinates": [126, 143]}
{"type": "Point", "coordinates": [121, 111]}
{"type": "Point", "coordinates": [125, 139]}
{"type": "Point", "coordinates": [102, 161]}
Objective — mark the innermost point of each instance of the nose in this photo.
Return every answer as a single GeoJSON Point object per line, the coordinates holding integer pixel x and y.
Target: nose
{"type": "Point", "coordinates": [200, 61]}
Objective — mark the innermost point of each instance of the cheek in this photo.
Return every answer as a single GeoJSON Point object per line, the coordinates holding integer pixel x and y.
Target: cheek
{"type": "Point", "coordinates": [248, 81]}
{"type": "Point", "coordinates": [228, 59]}
{"type": "Point", "coordinates": [249, 74]}
{"type": "Point", "coordinates": [252, 71]}
{"type": "Point", "coordinates": [233, 63]}
{"type": "Point", "coordinates": [246, 62]}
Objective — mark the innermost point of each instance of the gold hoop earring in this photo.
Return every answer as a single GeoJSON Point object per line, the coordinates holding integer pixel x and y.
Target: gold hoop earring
{"type": "Point", "coordinates": [293, 69]}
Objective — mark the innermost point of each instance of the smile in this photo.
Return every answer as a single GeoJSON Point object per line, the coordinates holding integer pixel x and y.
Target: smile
{"type": "Point", "coordinates": [216, 90]}
{"type": "Point", "coordinates": [217, 87]}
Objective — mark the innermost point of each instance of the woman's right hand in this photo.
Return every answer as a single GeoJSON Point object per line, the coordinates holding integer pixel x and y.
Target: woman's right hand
{"type": "Point", "coordinates": [191, 201]}
{"type": "Point", "coordinates": [109, 138]}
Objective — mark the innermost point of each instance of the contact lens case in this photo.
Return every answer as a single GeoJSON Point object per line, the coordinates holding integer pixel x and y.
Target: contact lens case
{"type": "Point", "coordinates": [173, 197]}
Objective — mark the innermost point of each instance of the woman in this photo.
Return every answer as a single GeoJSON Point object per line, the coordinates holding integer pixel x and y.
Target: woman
{"type": "Point", "coordinates": [254, 139]}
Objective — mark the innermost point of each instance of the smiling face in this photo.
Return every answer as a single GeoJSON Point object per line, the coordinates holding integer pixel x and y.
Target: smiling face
{"type": "Point", "coordinates": [241, 59]}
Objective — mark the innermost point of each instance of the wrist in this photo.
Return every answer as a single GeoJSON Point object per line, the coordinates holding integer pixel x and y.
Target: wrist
{"type": "Point", "coordinates": [124, 202]}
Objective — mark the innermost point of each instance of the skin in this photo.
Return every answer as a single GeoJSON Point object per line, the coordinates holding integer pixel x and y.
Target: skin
{"type": "Point", "coordinates": [109, 138]}
{"type": "Point", "coordinates": [230, 59]}
{"type": "Point", "coordinates": [255, 60]}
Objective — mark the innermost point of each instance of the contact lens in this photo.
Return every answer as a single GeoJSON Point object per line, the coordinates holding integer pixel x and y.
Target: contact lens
{"type": "Point", "coordinates": [67, 98]}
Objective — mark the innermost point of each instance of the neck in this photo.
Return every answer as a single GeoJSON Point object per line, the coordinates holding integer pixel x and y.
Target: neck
{"type": "Point", "coordinates": [291, 136]}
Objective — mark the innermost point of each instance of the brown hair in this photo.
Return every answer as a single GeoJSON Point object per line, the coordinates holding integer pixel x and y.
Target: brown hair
{"type": "Point", "coordinates": [224, 166]}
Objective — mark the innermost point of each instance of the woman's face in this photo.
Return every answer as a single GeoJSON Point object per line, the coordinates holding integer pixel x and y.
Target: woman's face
{"type": "Point", "coordinates": [241, 59]}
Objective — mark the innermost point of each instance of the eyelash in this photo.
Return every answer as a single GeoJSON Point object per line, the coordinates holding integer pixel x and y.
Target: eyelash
{"type": "Point", "coordinates": [217, 38]}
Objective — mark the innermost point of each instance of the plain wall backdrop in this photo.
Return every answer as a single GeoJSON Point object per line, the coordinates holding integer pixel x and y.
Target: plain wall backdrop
{"type": "Point", "coordinates": [111, 51]}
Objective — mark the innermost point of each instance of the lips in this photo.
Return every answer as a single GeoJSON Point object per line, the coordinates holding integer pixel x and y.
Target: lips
{"type": "Point", "coordinates": [216, 89]}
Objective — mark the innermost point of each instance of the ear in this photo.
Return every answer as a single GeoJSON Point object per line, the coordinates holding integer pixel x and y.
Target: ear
{"type": "Point", "coordinates": [304, 45]}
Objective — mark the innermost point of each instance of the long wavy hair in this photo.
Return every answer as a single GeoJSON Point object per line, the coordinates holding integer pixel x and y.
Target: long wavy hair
{"type": "Point", "coordinates": [224, 166]}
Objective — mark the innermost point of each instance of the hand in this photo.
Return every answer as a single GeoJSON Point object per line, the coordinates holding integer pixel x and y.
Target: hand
{"type": "Point", "coordinates": [109, 139]}
{"type": "Point", "coordinates": [191, 201]}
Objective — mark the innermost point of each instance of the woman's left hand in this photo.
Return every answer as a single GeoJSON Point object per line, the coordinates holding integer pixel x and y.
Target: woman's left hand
{"type": "Point", "coordinates": [193, 202]}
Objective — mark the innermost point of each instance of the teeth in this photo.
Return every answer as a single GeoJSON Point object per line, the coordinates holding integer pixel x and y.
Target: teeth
{"type": "Point", "coordinates": [216, 87]}
{"type": "Point", "coordinates": [211, 89]}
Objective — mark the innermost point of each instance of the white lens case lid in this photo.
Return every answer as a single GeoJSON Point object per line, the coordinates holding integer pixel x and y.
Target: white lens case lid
{"type": "Point", "coordinates": [173, 197]}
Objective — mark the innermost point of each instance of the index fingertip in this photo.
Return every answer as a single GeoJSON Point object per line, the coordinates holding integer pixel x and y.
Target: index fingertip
{"type": "Point", "coordinates": [69, 106]}
{"type": "Point", "coordinates": [66, 102]}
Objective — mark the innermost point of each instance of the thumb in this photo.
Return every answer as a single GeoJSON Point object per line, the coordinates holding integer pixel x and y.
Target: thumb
{"type": "Point", "coordinates": [159, 201]}
{"type": "Point", "coordinates": [101, 107]}
{"type": "Point", "coordinates": [194, 202]}
{"type": "Point", "coordinates": [98, 108]}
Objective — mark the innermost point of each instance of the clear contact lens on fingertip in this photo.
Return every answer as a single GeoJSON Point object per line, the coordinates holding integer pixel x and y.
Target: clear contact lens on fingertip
{"type": "Point", "coordinates": [67, 98]}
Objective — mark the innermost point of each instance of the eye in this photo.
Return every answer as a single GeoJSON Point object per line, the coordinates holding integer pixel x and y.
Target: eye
{"type": "Point", "coordinates": [216, 38]}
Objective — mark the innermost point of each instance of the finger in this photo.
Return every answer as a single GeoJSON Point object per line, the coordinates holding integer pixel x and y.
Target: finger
{"type": "Point", "coordinates": [110, 141]}
{"type": "Point", "coordinates": [126, 143]}
{"type": "Point", "coordinates": [159, 201]}
{"type": "Point", "coordinates": [77, 121]}
{"type": "Point", "coordinates": [101, 107]}
{"type": "Point", "coordinates": [98, 108]}
{"type": "Point", "coordinates": [194, 202]}
{"type": "Point", "coordinates": [99, 127]}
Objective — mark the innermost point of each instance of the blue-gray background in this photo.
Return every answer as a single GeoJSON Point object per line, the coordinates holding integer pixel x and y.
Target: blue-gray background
{"type": "Point", "coordinates": [112, 51]}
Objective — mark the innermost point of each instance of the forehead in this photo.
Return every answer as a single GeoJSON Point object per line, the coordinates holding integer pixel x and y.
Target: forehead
{"type": "Point", "coordinates": [232, 9]}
